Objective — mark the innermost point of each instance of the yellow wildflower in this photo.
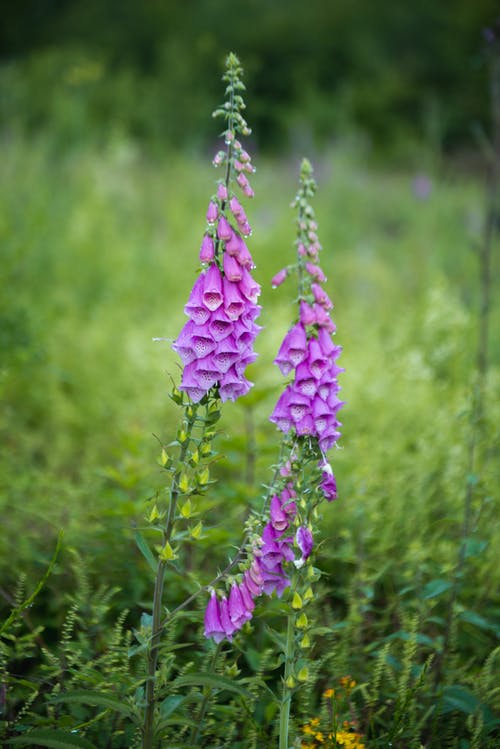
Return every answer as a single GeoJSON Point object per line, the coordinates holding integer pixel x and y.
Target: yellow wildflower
{"type": "Point", "coordinates": [328, 693]}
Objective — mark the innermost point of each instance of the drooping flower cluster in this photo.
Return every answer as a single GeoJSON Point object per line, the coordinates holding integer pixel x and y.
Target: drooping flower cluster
{"type": "Point", "coordinates": [216, 344]}
{"type": "Point", "coordinates": [266, 573]}
{"type": "Point", "coordinates": [310, 403]}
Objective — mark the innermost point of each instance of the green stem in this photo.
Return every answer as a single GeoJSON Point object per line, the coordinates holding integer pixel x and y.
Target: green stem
{"type": "Point", "coordinates": [156, 624]}
{"type": "Point", "coordinates": [286, 696]}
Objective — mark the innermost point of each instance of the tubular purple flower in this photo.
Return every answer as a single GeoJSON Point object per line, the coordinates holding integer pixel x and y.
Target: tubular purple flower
{"type": "Point", "coordinates": [213, 624]}
{"type": "Point", "coordinates": [307, 315]}
{"type": "Point", "coordinates": [328, 483]}
{"type": "Point", "coordinates": [304, 540]}
{"type": "Point", "coordinates": [234, 304]}
{"type": "Point", "coordinates": [248, 601]}
{"type": "Point", "coordinates": [293, 350]}
{"type": "Point", "coordinates": [232, 268]}
{"type": "Point", "coordinates": [248, 287]}
{"type": "Point", "coordinates": [225, 619]}
{"type": "Point", "coordinates": [212, 288]}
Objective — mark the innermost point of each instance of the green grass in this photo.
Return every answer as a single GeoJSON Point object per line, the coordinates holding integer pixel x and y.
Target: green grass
{"type": "Point", "coordinates": [99, 251]}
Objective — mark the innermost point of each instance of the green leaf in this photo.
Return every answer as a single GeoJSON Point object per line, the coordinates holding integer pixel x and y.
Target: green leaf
{"type": "Point", "coordinates": [52, 739]}
{"type": "Point", "coordinates": [459, 698]}
{"type": "Point", "coordinates": [434, 588]}
{"type": "Point", "coordinates": [479, 621]}
{"type": "Point", "coordinates": [210, 680]}
{"type": "Point", "coordinates": [170, 704]}
{"type": "Point", "coordinates": [94, 699]}
{"type": "Point", "coordinates": [278, 639]}
{"type": "Point", "coordinates": [405, 636]}
{"type": "Point", "coordinates": [145, 551]}
{"type": "Point", "coordinates": [473, 547]}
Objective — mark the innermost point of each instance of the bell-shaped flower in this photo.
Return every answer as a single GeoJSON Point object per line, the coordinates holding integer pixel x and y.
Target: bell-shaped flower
{"type": "Point", "coordinates": [293, 350]}
{"type": "Point", "coordinates": [232, 268]}
{"type": "Point", "coordinates": [249, 287]}
{"type": "Point", "coordinates": [195, 308]}
{"type": "Point", "coordinates": [234, 304]}
{"type": "Point", "coordinates": [304, 540]}
{"type": "Point", "coordinates": [212, 288]}
{"type": "Point", "coordinates": [238, 612]}
{"type": "Point", "coordinates": [213, 624]}
{"type": "Point", "coordinates": [307, 315]}
{"type": "Point", "coordinates": [227, 625]}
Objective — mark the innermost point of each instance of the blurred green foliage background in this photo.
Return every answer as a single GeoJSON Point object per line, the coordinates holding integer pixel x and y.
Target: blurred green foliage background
{"type": "Point", "coordinates": [315, 70]}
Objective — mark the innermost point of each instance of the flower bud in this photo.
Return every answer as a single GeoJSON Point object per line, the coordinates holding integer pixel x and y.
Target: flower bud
{"type": "Point", "coordinates": [207, 249]}
{"type": "Point", "coordinates": [278, 279]}
{"type": "Point", "coordinates": [212, 212]}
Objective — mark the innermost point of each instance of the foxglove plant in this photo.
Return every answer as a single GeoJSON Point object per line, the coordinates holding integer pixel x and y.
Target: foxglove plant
{"type": "Point", "coordinates": [278, 559]}
{"type": "Point", "coordinates": [215, 346]}
{"type": "Point", "coordinates": [306, 413]}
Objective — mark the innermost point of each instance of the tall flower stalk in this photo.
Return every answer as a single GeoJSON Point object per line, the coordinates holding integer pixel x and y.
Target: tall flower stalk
{"type": "Point", "coordinates": [307, 413]}
{"type": "Point", "coordinates": [215, 346]}
{"type": "Point", "coordinates": [278, 559]}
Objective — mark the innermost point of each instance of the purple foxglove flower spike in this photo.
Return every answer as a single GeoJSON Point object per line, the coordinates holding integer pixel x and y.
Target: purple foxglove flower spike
{"type": "Point", "coordinates": [309, 405]}
{"type": "Point", "coordinates": [223, 301]}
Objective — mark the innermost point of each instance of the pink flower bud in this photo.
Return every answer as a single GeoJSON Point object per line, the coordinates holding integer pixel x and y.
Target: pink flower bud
{"type": "Point", "coordinates": [238, 165]}
{"type": "Point", "coordinates": [316, 272]}
{"type": "Point", "coordinates": [236, 207]}
{"type": "Point", "coordinates": [212, 212]}
{"type": "Point", "coordinates": [222, 191]}
{"type": "Point", "coordinates": [279, 278]}
{"type": "Point", "coordinates": [307, 314]}
{"type": "Point", "coordinates": [242, 181]}
{"type": "Point", "coordinates": [224, 230]}
{"type": "Point", "coordinates": [207, 249]}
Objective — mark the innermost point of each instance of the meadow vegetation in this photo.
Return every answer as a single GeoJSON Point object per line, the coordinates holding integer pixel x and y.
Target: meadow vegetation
{"type": "Point", "coordinates": [99, 250]}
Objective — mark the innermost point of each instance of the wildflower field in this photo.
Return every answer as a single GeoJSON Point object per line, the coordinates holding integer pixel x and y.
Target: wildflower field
{"type": "Point", "coordinates": [99, 252]}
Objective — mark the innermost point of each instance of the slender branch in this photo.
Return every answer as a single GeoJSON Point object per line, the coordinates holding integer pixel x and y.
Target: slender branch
{"type": "Point", "coordinates": [156, 626]}
{"type": "Point", "coordinates": [286, 695]}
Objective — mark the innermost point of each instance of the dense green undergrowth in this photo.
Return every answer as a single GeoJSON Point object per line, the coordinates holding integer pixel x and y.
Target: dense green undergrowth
{"type": "Point", "coordinates": [99, 250]}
